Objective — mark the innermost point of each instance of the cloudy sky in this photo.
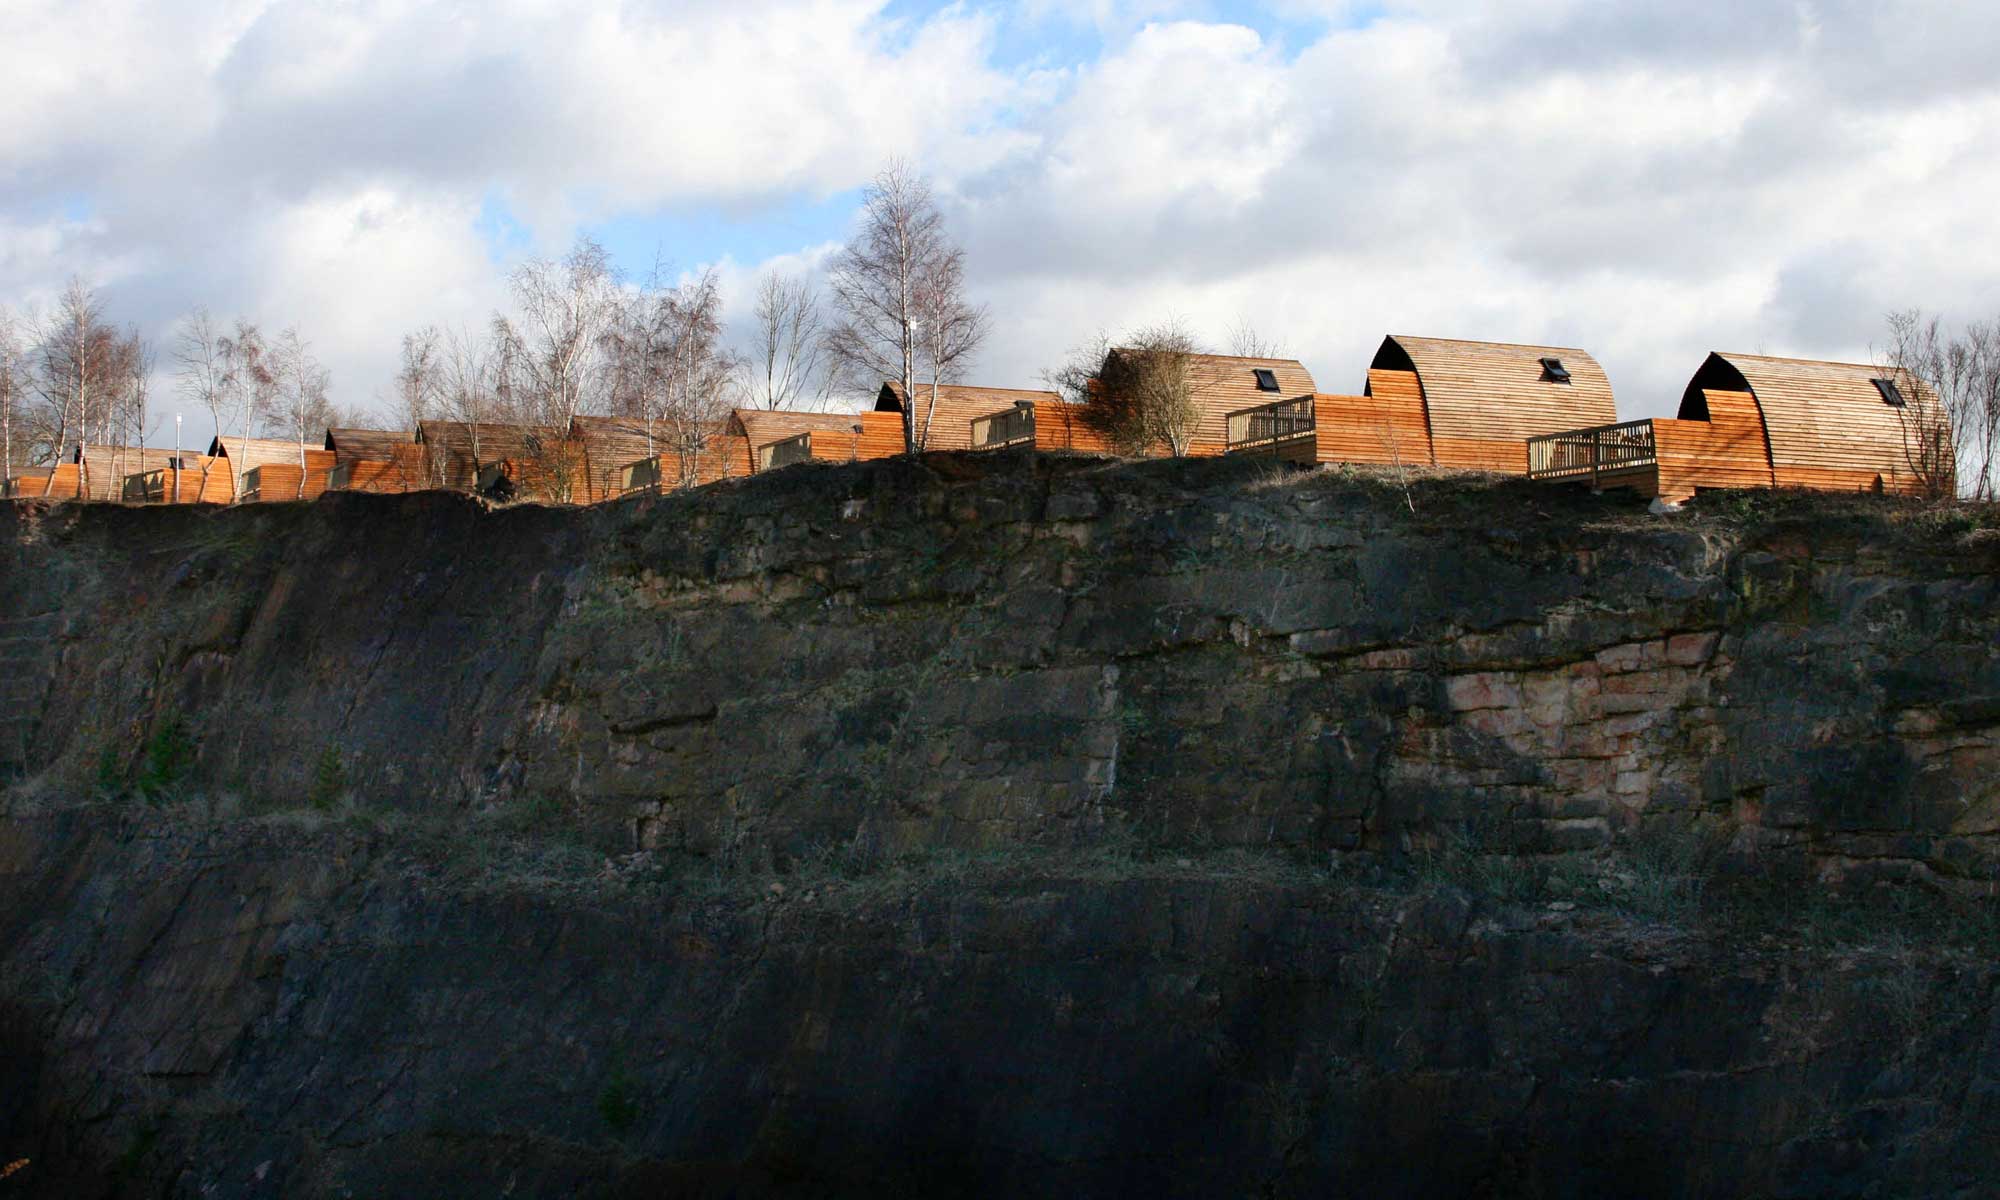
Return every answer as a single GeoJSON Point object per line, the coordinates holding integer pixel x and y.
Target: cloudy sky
{"type": "Point", "coordinates": [1645, 180]}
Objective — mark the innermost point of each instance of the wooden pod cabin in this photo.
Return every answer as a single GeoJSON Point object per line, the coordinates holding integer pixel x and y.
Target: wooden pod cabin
{"type": "Point", "coordinates": [301, 474]}
{"type": "Point", "coordinates": [457, 453]}
{"type": "Point", "coordinates": [772, 439]}
{"type": "Point", "coordinates": [375, 460]}
{"type": "Point", "coordinates": [1434, 402]}
{"type": "Point", "coordinates": [756, 439]}
{"type": "Point", "coordinates": [1046, 422]}
{"type": "Point", "coordinates": [1221, 385]}
{"type": "Point", "coordinates": [1483, 400]}
{"type": "Point", "coordinates": [958, 405]}
{"type": "Point", "coordinates": [1750, 421]}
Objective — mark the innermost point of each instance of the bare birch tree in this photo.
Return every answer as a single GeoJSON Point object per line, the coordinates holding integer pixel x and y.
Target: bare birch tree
{"type": "Point", "coordinates": [790, 367]}
{"type": "Point", "coordinates": [555, 353]}
{"type": "Point", "coordinates": [420, 375]}
{"type": "Point", "coordinates": [951, 330]}
{"type": "Point", "coordinates": [1950, 415]}
{"type": "Point", "coordinates": [201, 375]}
{"type": "Point", "coordinates": [879, 282]}
{"type": "Point", "coordinates": [251, 386]}
{"type": "Point", "coordinates": [78, 362]}
{"type": "Point", "coordinates": [698, 375]}
{"type": "Point", "coordinates": [13, 358]}
{"type": "Point", "coordinates": [299, 394]}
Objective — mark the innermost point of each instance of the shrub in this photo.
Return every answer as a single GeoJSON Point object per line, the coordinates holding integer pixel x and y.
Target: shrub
{"type": "Point", "coordinates": [169, 755]}
{"type": "Point", "coordinates": [618, 1102]}
{"type": "Point", "coordinates": [329, 782]}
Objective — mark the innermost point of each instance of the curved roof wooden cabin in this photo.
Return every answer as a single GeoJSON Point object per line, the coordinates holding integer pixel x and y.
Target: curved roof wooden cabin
{"type": "Point", "coordinates": [753, 440]}
{"type": "Point", "coordinates": [958, 406]}
{"type": "Point", "coordinates": [456, 453]}
{"type": "Point", "coordinates": [1748, 420]}
{"type": "Point", "coordinates": [269, 468]}
{"type": "Point", "coordinates": [1826, 425]}
{"type": "Point", "coordinates": [1481, 401]}
{"type": "Point", "coordinates": [768, 438]}
{"type": "Point", "coordinates": [990, 418]}
{"type": "Point", "coordinates": [375, 460]}
{"type": "Point", "coordinates": [1226, 384]}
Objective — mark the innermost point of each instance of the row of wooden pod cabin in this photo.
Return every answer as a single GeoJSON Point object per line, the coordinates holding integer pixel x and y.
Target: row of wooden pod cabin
{"type": "Point", "coordinates": [1544, 411]}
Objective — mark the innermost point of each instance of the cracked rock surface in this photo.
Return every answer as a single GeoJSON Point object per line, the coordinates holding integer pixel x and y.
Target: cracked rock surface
{"type": "Point", "coordinates": [1007, 825]}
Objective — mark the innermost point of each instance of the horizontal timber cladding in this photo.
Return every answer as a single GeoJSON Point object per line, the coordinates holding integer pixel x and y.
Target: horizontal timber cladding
{"type": "Point", "coordinates": [1727, 450]}
{"type": "Point", "coordinates": [375, 445]}
{"type": "Point", "coordinates": [1224, 384]}
{"type": "Point", "coordinates": [403, 469]}
{"type": "Point", "coordinates": [52, 483]}
{"type": "Point", "coordinates": [1483, 400]}
{"type": "Point", "coordinates": [1827, 424]}
{"type": "Point", "coordinates": [456, 451]}
{"type": "Point", "coordinates": [191, 485]}
{"type": "Point", "coordinates": [272, 482]}
{"type": "Point", "coordinates": [834, 438]}
{"type": "Point", "coordinates": [1387, 428]}
{"type": "Point", "coordinates": [957, 405]}
{"type": "Point", "coordinates": [1060, 425]}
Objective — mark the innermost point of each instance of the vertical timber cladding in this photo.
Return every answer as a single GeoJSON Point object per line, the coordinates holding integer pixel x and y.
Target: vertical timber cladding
{"type": "Point", "coordinates": [1826, 423]}
{"type": "Point", "coordinates": [1484, 400]}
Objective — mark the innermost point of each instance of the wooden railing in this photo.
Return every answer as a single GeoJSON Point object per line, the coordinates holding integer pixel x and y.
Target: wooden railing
{"type": "Point", "coordinates": [1269, 424]}
{"type": "Point", "coordinates": [1589, 453]}
{"type": "Point", "coordinates": [1011, 427]}
{"type": "Point", "coordinates": [147, 486]}
{"type": "Point", "coordinates": [773, 455]}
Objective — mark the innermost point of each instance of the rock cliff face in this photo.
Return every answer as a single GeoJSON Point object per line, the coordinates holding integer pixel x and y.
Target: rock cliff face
{"type": "Point", "coordinates": [1004, 824]}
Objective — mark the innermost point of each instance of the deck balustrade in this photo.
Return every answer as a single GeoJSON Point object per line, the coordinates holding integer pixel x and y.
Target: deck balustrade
{"type": "Point", "coordinates": [996, 431]}
{"type": "Point", "coordinates": [784, 453]}
{"type": "Point", "coordinates": [1270, 424]}
{"type": "Point", "coordinates": [1594, 452]}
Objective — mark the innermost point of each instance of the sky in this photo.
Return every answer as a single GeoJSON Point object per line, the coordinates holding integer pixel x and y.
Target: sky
{"type": "Point", "coordinates": [1645, 180]}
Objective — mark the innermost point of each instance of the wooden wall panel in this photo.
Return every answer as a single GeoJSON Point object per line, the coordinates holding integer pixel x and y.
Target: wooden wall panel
{"type": "Point", "coordinates": [1481, 454]}
{"type": "Point", "coordinates": [1726, 451]}
{"type": "Point", "coordinates": [1387, 428]}
{"type": "Point", "coordinates": [1062, 426]}
{"type": "Point", "coordinates": [52, 483]}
